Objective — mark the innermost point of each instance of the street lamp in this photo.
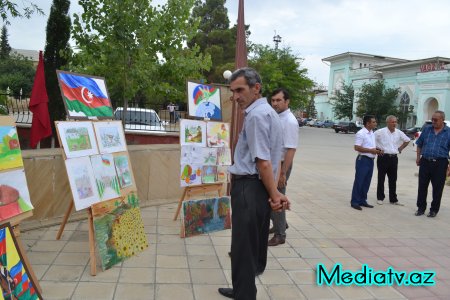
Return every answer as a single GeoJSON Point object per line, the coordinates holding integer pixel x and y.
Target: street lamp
{"type": "Point", "coordinates": [227, 74]}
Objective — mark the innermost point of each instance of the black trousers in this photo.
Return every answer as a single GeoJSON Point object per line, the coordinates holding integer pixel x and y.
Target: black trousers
{"type": "Point", "coordinates": [250, 234]}
{"type": "Point", "coordinates": [387, 165]}
{"type": "Point", "coordinates": [434, 171]}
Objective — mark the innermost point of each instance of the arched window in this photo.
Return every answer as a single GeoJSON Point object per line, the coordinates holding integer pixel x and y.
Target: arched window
{"type": "Point", "coordinates": [404, 102]}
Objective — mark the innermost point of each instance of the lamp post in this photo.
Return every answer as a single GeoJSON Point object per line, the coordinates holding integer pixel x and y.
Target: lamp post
{"type": "Point", "coordinates": [226, 75]}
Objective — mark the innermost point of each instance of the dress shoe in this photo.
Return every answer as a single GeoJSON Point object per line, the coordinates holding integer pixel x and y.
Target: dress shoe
{"type": "Point", "coordinates": [357, 207]}
{"type": "Point", "coordinates": [276, 240]}
{"type": "Point", "coordinates": [432, 214]}
{"type": "Point", "coordinates": [272, 229]}
{"type": "Point", "coordinates": [419, 213]}
{"type": "Point", "coordinates": [229, 254]}
{"type": "Point", "coordinates": [397, 203]}
{"type": "Point", "coordinates": [226, 292]}
{"type": "Point", "coordinates": [380, 202]}
{"type": "Point", "coordinates": [367, 205]}
{"type": "Point", "coordinates": [259, 272]}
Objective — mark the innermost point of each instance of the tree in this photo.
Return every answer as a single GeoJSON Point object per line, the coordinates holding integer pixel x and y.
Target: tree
{"type": "Point", "coordinates": [8, 6]}
{"type": "Point", "coordinates": [342, 102]}
{"type": "Point", "coordinates": [138, 48]}
{"type": "Point", "coordinates": [281, 68]}
{"type": "Point", "coordinates": [56, 55]}
{"type": "Point", "coordinates": [5, 48]}
{"type": "Point", "coordinates": [377, 99]}
{"type": "Point", "coordinates": [17, 73]}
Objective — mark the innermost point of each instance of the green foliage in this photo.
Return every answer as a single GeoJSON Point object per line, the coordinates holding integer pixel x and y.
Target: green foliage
{"type": "Point", "coordinates": [11, 8]}
{"type": "Point", "coordinates": [57, 51]}
{"type": "Point", "coordinates": [138, 48]}
{"type": "Point", "coordinates": [377, 99]}
{"type": "Point", "coordinates": [5, 48]}
{"type": "Point", "coordinates": [342, 102]}
{"type": "Point", "coordinates": [281, 68]}
{"type": "Point", "coordinates": [16, 72]}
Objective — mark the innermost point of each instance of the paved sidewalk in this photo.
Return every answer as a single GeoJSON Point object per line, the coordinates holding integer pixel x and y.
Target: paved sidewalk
{"type": "Point", "coordinates": [322, 229]}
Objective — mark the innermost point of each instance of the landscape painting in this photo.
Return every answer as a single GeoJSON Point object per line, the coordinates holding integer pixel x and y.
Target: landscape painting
{"type": "Point", "coordinates": [84, 96]}
{"type": "Point", "coordinates": [191, 154]}
{"type": "Point", "coordinates": [15, 279]}
{"type": "Point", "coordinates": [10, 154]}
{"type": "Point", "coordinates": [192, 132]}
{"type": "Point", "coordinates": [82, 182]}
{"type": "Point", "coordinates": [206, 215]}
{"type": "Point", "coordinates": [204, 101]}
{"type": "Point", "coordinates": [218, 134]}
{"type": "Point", "coordinates": [224, 156]}
{"type": "Point", "coordinates": [108, 186]}
{"type": "Point", "coordinates": [123, 169]}
{"type": "Point", "coordinates": [209, 174]}
{"type": "Point", "coordinates": [14, 194]}
{"type": "Point", "coordinates": [110, 137]}
{"type": "Point", "coordinates": [190, 175]}
{"type": "Point", "coordinates": [77, 138]}
{"type": "Point", "coordinates": [119, 230]}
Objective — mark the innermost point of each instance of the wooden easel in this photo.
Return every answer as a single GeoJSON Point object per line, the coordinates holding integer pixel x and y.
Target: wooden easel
{"type": "Point", "coordinates": [91, 235]}
{"type": "Point", "coordinates": [15, 223]}
{"type": "Point", "coordinates": [198, 189]}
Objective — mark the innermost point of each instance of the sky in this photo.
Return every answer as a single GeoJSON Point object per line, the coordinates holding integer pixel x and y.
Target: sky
{"type": "Point", "coordinates": [314, 29]}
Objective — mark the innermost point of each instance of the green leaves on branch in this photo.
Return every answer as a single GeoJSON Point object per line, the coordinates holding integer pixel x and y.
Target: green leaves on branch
{"type": "Point", "coordinates": [342, 102]}
{"type": "Point", "coordinates": [8, 7]}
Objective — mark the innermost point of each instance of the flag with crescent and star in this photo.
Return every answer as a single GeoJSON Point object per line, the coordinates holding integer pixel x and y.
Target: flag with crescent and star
{"type": "Point", "coordinates": [85, 96]}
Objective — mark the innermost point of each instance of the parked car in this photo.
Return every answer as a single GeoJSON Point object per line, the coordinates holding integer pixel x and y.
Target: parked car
{"type": "Point", "coordinates": [318, 124]}
{"type": "Point", "coordinates": [327, 124]}
{"type": "Point", "coordinates": [411, 132]}
{"type": "Point", "coordinates": [141, 119]}
{"type": "Point", "coordinates": [311, 122]}
{"type": "Point", "coordinates": [300, 122]}
{"type": "Point", "coordinates": [346, 127]}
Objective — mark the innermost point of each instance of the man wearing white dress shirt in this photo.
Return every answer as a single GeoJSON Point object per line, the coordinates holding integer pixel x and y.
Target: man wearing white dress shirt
{"type": "Point", "coordinates": [366, 148]}
{"type": "Point", "coordinates": [391, 141]}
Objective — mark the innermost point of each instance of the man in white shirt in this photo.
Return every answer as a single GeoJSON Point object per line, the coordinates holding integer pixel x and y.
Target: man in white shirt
{"type": "Point", "coordinates": [280, 103]}
{"type": "Point", "coordinates": [366, 148]}
{"type": "Point", "coordinates": [391, 141]}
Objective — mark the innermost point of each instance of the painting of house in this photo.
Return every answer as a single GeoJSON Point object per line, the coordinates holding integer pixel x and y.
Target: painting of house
{"type": "Point", "coordinates": [10, 154]}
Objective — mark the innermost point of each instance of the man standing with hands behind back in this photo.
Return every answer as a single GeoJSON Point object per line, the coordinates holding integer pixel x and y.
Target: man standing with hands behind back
{"type": "Point", "coordinates": [433, 146]}
{"type": "Point", "coordinates": [391, 141]}
{"type": "Point", "coordinates": [254, 191]}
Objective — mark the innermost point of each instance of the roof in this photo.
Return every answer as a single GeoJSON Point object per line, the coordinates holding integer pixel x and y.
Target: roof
{"type": "Point", "coordinates": [436, 59]}
{"type": "Point", "coordinates": [365, 55]}
{"type": "Point", "coordinates": [33, 55]}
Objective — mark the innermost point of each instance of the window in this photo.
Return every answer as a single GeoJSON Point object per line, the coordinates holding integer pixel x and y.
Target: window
{"type": "Point", "coordinates": [404, 102]}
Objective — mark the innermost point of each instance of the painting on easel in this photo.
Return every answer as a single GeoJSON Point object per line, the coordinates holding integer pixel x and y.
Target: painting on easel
{"type": "Point", "coordinates": [218, 134]}
{"type": "Point", "coordinates": [190, 175]}
{"type": "Point", "coordinates": [193, 132]}
{"type": "Point", "coordinates": [10, 155]}
{"type": "Point", "coordinates": [206, 215]}
{"type": "Point", "coordinates": [204, 101]}
{"type": "Point", "coordinates": [110, 137]}
{"type": "Point", "coordinates": [119, 230]}
{"type": "Point", "coordinates": [15, 279]}
{"type": "Point", "coordinates": [77, 138]}
{"type": "Point", "coordinates": [123, 169]}
{"type": "Point", "coordinates": [14, 195]}
{"type": "Point", "coordinates": [105, 176]}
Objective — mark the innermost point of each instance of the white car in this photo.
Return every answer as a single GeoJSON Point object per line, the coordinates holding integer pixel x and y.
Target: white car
{"type": "Point", "coordinates": [141, 119]}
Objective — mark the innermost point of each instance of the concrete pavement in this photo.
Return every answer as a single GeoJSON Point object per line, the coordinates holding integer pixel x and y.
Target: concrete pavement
{"type": "Point", "coordinates": [322, 229]}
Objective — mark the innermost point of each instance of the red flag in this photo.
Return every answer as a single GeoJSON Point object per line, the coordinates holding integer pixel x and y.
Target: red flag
{"type": "Point", "coordinates": [40, 126]}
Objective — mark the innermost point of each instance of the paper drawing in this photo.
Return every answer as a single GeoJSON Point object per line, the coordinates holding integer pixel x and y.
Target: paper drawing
{"type": "Point", "coordinates": [110, 136]}
{"type": "Point", "coordinates": [209, 156]}
{"type": "Point", "coordinates": [10, 154]}
{"type": "Point", "coordinates": [222, 174]}
{"type": "Point", "coordinates": [207, 215]}
{"type": "Point", "coordinates": [82, 182]}
{"type": "Point", "coordinates": [15, 279]}
{"type": "Point", "coordinates": [191, 155]}
{"type": "Point", "coordinates": [204, 101]}
{"type": "Point", "coordinates": [224, 156]}
{"type": "Point", "coordinates": [190, 175]}
{"type": "Point", "coordinates": [14, 195]}
{"type": "Point", "coordinates": [105, 176]}
{"type": "Point", "coordinates": [77, 138]}
{"type": "Point", "coordinates": [123, 170]}
{"type": "Point", "coordinates": [192, 132]}
{"type": "Point", "coordinates": [218, 134]}
{"type": "Point", "coordinates": [209, 174]}
{"type": "Point", "coordinates": [119, 230]}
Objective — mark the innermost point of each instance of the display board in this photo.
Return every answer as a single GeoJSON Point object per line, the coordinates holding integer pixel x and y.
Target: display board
{"type": "Point", "coordinates": [204, 101]}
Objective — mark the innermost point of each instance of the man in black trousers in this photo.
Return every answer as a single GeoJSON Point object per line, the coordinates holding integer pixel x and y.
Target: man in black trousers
{"type": "Point", "coordinates": [254, 190]}
{"type": "Point", "coordinates": [433, 146]}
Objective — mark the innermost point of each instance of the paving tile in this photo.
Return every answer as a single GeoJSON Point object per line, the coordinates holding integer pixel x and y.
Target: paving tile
{"type": "Point", "coordinates": [110, 275]}
{"type": "Point", "coordinates": [41, 258]}
{"type": "Point", "coordinates": [57, 290]}
{"type": "Point", "coordinates": [39, 270]}
{"type": "Point", "coordinates": [303, 277]}
{"type": "Point", "coordinates": [45, 246]}
{"type": "Point", "coordinates": [280, 291]}
{"type": "Point", "coordinates": [171, 261]}
{"type": "Point", "coordinates": [312, 291]}
{"type": "Point", "coordinates": [293, 263]}
{"type": "Point", "coordinates": [205, 249]}
{"type": "Point", "coordinates": [146, 258]}
{"type": "Point", "coordinates": [271, 277]}
{"type": "Point", "coordinates": [94, 291]}
{"type": "Point", "coordinates": [352, 292]}
{"type": "Point", "coordinates": [174, 291]}
{"type": "Point", "coordinates": [171, 249]}
{"type": "Point", "coordinates": [208, 276]}
{"type": "Point", "coordinates": [384, 292]}
{"type": "Point", "coordinates": [72, 259]}
{"type": "Point", "coordinates": [135, 291]}
{"type": "Point", "coordinates": [63, 273]}
{"type": "Point", "coordinates": [137, 275]}
{"type": "Point", "coordinates": [172, 276]}
{"type": "Point", "coordinates": [203, 261]}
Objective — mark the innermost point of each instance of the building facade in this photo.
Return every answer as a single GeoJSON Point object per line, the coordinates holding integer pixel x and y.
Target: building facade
{"type": "Point", "coordinates": [424, 84]}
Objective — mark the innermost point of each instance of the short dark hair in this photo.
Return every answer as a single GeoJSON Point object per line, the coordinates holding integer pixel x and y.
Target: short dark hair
{"type": "Point", "coordinates": [367, 118]}
{"type": "Point", "coordinates": [281, 90]}
{"type": "Point", "coordinates": [251, 76]}
{"type": "Point", "coordinates": [441, 113]}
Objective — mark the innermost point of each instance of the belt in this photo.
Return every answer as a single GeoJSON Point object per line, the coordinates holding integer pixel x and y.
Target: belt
{"type": "Point", "coordinates": [388, 155]}
{"type": "Point", "coordinates": [434, 159]}
{"type": "Point", "coordinates": [249, 176]}
{"type": "Point", "coordinates": [372, 158]}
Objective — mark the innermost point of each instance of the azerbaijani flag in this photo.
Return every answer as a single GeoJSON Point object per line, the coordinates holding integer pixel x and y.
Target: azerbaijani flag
{"type": "Point", "coordinates": [203, 92]}
{"type": "Point", "coordinates": [84, 96]}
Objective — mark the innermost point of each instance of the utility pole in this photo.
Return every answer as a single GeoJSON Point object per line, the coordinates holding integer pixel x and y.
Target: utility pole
{"type": "Point", "coordinates": [276, 40]}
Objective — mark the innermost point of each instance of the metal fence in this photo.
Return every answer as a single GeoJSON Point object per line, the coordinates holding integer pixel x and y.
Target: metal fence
{"type": "Point", "coordinates": [140, 116]}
